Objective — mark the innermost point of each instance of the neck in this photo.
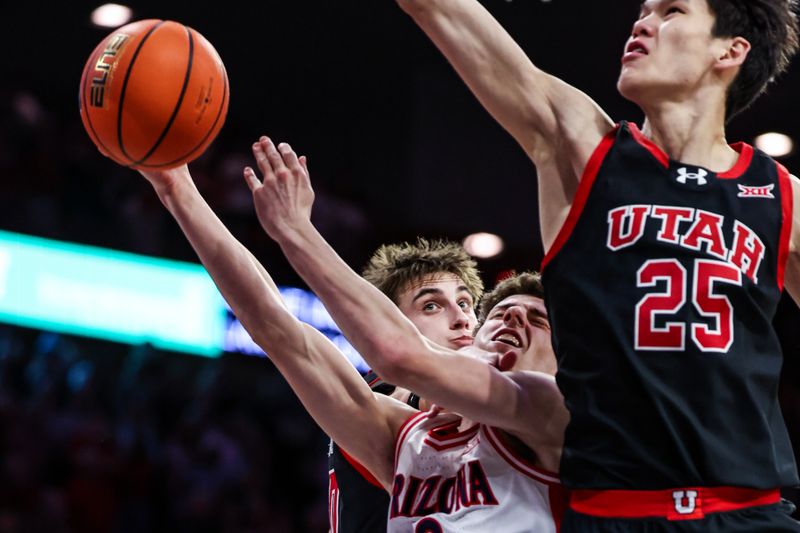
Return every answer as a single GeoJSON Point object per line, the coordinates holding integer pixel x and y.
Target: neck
{"type": "Point", "coordinates": [692, 133]}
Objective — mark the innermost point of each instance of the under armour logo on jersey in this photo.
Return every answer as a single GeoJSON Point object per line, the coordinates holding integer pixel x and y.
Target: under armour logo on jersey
{"type": "Point", "coordinates": [685, 501]}
{"type": "Point", "coordinates": [756, 192]}
{"type": "Point", "coordinates": [699, 176]}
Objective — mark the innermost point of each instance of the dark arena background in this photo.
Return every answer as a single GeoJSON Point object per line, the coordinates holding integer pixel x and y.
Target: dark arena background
{"type": "Point", "coordinates": [102, 434]}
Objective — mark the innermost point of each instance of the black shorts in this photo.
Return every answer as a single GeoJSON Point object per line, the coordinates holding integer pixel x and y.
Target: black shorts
{"type": "Point", "coordinates": [763, 519]}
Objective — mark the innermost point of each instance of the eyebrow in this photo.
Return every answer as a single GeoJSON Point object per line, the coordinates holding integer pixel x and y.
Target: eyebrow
{"type": "Point", "coordinates": [432, 290]}
{"type": "Point", "coordinates": [534, 310]}
{"type": "Point", "coordinates": [648, 5]}
{"type": "Point", "coordinates": [425, 292]}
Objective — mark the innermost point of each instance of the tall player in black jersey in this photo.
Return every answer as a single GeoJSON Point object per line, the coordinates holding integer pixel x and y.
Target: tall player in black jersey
{"type": "Point", "coordinates": [667, 250]}
{"type": "Point", "coordinates": [434, 284]}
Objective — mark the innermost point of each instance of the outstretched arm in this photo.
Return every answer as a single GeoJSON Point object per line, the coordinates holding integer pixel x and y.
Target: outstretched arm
{"type": "Point", "coordinates": [535, 107]}
{"type": "Point", "coordinates": [329, 387]}
{"type": "Point", "coordinates": [523, 403]}
{"type": "Point", "coordinates": [557, 125]}
{"type": "Point", "coordinates": [792, 279]}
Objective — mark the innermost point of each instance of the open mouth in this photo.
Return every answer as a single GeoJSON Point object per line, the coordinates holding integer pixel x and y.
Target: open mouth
{"type": "Point", "coordinates": [636, 47]}
{"type": "Point", "coordinates": [510, 339]}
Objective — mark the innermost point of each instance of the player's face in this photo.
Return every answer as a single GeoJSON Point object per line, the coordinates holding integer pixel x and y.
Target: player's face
{"type": "Point", "coordinates": [519, 325]}
{"type": "Point", "coordinates": [670, 51]}
{"type": "Point", "coordinates": [442, 309]}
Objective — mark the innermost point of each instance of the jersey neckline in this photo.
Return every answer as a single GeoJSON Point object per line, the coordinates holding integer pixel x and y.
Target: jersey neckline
{"type": "Point", "coordinates": [744, 150]}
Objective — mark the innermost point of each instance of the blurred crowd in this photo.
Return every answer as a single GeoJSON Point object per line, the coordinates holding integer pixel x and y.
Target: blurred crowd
{"type": "Point", "coordinates": [96, 437]}
{"type": "Point", "coordinates": [101, 437]}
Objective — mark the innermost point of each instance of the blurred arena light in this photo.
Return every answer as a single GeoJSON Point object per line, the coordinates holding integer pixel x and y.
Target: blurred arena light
{"type": "Point", "coordinates": [483, 245]}
{"type": "Point", "coordinates": [775, 144]}
{"type": "Point", "coordinates": [111, 15]}
{"type": "Point", "coordinates": [118, 296]}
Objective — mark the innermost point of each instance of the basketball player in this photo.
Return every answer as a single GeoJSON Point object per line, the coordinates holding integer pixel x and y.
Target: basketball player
{"type": "Point", "coordinates": [494, 486]}
{"type": "Point", "coordinates": [508, 458]}
{"type": "Point", "coordinates": [667, 250]}
{"type": "Point", "coordinates": [434, 284]}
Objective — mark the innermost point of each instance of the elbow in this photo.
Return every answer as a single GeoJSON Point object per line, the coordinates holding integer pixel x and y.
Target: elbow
{"type": "Point", "coordinates": [274, 336]}
{"type": "Point", "coordinates": [393, 362]}
{"type": "Point", "coordinates": [415, 8]}
{"type": "Point", "coordinates": [396, 363]}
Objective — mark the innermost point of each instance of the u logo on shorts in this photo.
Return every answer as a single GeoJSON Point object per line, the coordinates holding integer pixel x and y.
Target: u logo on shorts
{"type": "Point", "coordinates": [691, 499]}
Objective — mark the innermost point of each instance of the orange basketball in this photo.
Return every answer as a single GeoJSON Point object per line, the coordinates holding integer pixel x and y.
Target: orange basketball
{"type": "Point", "coordinates": [153, 94]}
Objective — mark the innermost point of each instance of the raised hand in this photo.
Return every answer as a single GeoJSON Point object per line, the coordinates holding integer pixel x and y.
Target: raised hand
{"type": "Point", "coordinates": [164, 181]}
{"type": "Point", "coordinates": [284, 198]}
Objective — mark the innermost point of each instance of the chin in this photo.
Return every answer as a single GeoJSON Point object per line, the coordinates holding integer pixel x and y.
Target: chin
{"type": "Point", "coordinates": [630, 88]}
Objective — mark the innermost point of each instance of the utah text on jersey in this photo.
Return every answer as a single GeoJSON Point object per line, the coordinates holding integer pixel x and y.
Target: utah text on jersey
{"type": "Point", "coordinates": [699, 231]}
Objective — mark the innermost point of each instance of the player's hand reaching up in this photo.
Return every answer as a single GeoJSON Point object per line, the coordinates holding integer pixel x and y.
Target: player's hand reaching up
{"type": "Point", "coordinates": [283, 199]}
{"type": "Point", "coordinates": [164, 181]}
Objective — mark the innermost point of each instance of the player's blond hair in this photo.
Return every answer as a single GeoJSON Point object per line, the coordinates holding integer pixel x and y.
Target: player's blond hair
{"type": "Point", "coordinates": [393, 267]}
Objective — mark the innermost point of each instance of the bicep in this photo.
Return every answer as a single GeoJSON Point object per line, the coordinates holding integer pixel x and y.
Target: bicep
{"type": "Point", "coordinates": [461, 383]}
{"type": "Point", "coordinates": [339, 400]}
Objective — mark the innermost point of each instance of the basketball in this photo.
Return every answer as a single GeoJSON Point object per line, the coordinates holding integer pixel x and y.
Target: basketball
{"type": "Point", "coordinates": [153, 95]}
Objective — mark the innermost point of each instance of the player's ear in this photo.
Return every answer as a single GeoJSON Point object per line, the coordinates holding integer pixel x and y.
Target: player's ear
{"type": "Point", "coordinates": [733, 53]}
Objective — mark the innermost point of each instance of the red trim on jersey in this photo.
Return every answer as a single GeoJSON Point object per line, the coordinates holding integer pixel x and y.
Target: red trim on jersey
{"type": "Point", "coordinates": [513, 458]}
{"type": "Point", "coordinates": [649, 145]}
{"type": "Point", "coordinates": [361, 469]}
{"type": "Point", "coordinates": [333, 502]}
{"type": "Point", "coordinates": [581, 195]}
{"type": "Point", "coordinates": [742, 164]}
{"type": "Point", "coordinates": [447, 436]}
{"type": "Point", "coordinates": [402, 433]}
{"type": "Point", "coordinates": [690, 503]}
{"type": "Point", "coordinates": [787, 207]}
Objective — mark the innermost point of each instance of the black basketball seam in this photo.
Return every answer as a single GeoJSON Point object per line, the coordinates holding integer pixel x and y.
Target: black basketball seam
{"type": "Point", "coordinates": [178, 104]}
{"type": "Point", "coordinates": [211, 129]}
{"type": "Point", "coordinates": [125, 87]}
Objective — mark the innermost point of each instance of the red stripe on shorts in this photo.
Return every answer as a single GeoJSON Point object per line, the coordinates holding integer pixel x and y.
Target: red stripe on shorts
{"type": "Point", "coordinates": [689, 503]}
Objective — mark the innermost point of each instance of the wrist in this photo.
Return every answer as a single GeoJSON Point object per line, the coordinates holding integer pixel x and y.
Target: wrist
{"type": "Point", "coordinates": [294, 233]}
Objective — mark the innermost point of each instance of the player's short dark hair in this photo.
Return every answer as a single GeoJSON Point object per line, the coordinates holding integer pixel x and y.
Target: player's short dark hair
{"type": "Point", "coordinates": [771, 28]}
{"type": "Point", "coordinates": [394, 266]}
{"type": "Point", "coordinates": [529, 283]}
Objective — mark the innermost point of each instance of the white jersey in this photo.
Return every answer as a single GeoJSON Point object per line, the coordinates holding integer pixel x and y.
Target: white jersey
{"type": "Point", "coordinates": [468, 481]}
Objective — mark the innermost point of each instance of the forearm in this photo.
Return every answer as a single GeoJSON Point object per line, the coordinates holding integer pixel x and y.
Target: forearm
{"type": "Point", "coordinates": [243, 282]}
{"type": "Point", "coordinates": [491, 63]}
{"type": "Point", "coordinates": [374, 325]}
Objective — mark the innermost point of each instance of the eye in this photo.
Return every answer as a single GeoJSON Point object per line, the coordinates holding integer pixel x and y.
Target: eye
{"type": "Point", "coordinates": [675, 9]}
{"type": "Point", "coordinates": [466, 305]}
{"type": "Point", "coordinates": [429, 307]}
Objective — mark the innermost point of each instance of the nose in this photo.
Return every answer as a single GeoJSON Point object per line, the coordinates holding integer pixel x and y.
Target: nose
{"type": "Point", "coordinates": [514, 316]}
{"type": "Point", "coordinates": [643, 27]}
{"type": "Point", "coordinates": [461, 319]}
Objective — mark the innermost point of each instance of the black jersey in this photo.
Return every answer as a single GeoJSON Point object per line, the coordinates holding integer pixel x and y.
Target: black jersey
{"type": "Point", "coordinates": [661, 288]}
{"type": "Point", "coordinates": [357, 503]}
{"type": "Point", "coordinates": [356, 500]}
